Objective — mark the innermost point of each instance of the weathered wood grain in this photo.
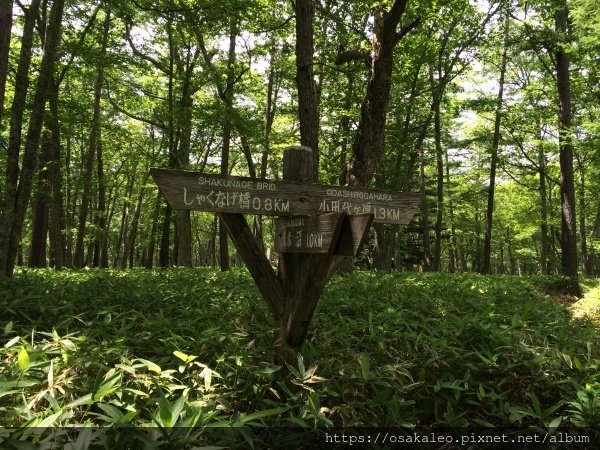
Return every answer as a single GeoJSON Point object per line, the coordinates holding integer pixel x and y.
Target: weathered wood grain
{"type": "Point", "coordinates": [221, 193]}
{"type": "Point", "coordinates": [354, 233]}
{"type": "Point", "coordinates": [307, 234]}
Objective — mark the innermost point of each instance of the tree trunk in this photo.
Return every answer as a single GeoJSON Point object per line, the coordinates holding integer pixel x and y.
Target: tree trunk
{"type": "Point", "coordinates": [596, 230]}
{"type": "Point", "coordinates": [545, 249]}
{"type": "Point", "coordinates": [57, 213]}
{"type": "Point", "coordinates": [369, 143]}
{"type": "Point", "coordinates": [453, 254]}
{"type": "Point", "coordinates": [5, 32]}
{"type": "Point", "coordinates": [305, 82]}
{"type": "Point", "coordinates": [227, 130]}
{"type": "Point", "coordinates": [15, 134]}
{"type": "Point", "coordinates": [477, 252]}
{"type": "Point", "coordinates": [567, 181]}
{"type": "Point", "coordinates": [125, 232]}
{"type": "Point", "coordinates": [511, 257]}
{"type": "Point", "coordinates": [41, 208]}
{"type": "Point", "coordinates": [345, 129]}
{"type": "Point", "coordinates": [586, 263]}
{"type": "Point", "coordinates": [69, 214]}
{"type": "Point", "coordinates": [489, 214]}
{"type": "Point", "coordinates": [424, 214]}
{"type": "Point", "coordinates": [439, 154]}
{"type": "Point", "coordinates": [183, 218]}
{"type": "Point", "coordinates": [102, 233]}
{"type": "Point", "coordinates": [149, 263]}
{"type": "Point", "coordinates": [163, 256]}
{"type": "Point", "coordinates": [382, 246]}
{"type": "Point", "coordinates": [135, 222]}
{"type": "Point", "coordinates": [269, 118]}
{"type": "Point", "coordinates": [30, 154]}
{"type": "Point", "coordinates": [225, 91]}
{"type": "Point", "coordinates": [404, 136]}
{"type": "Point", "coordinates": [90, 158]}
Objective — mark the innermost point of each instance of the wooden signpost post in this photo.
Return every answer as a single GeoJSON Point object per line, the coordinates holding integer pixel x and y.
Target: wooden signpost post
{"type": "Point", "coordinates": [317, 226]}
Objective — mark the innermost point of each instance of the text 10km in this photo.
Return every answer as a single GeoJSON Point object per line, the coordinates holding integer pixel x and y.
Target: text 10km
{"type": "Point", "coordinates": [298, 239]}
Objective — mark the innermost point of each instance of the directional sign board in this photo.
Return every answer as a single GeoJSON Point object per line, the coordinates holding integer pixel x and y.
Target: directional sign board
{"type": "Point", "coordinates": [307, 234]}
{"type": "Point", "coordinates": [316, 234]}
{"type": "Point", "coordinates": [221, 193]}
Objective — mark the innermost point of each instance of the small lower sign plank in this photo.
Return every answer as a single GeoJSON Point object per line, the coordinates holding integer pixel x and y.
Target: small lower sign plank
{"type": "Point", "coordinates": [307, 234]}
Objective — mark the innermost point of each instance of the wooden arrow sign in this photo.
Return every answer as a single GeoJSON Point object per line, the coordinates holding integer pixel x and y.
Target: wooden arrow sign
{"type": "Point", "coordinates": [307, 234]}
{"type": "Point", "coordinates": [316, 234]}
{"type": "Point", "coordinates": [220, 193]}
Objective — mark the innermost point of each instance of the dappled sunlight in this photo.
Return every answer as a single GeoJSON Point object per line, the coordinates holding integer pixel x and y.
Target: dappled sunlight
{"type": "Point", "coordinates": [589, 305]}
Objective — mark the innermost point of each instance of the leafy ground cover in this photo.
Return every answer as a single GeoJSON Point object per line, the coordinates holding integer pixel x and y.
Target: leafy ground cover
{"type": "Point", "coordinates": [189, 353]}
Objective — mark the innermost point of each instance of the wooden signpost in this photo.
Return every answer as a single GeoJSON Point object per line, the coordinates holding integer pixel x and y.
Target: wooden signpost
{"type": "Point", "coordinates": [317, 226]}
{"type": "Point", "coordinates": [222, 193]}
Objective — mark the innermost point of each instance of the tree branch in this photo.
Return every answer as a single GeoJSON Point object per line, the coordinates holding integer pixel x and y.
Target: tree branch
{"type": "Point", "coordinates": [353, 55]}
{"type": "Point", "coordinates": [84, 33]}
{"type": "Point", "coordinates": [130, 114]}
{"type": "Point", "coordinates": [396, 12]}
{"type": "Point", "coordinates": [138, 53]}
{"type": "Point", "coordinates": [407, 29]}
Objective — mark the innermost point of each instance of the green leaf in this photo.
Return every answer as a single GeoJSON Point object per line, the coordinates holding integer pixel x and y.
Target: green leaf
{"type": "Point", "coordinates": [315, 403]}
{"type": "Point", "coordinates": [185, 358]}
{"type": "Point", "coordinates": [83, 440]}
{"type": "Point", "coordinates": [297, 422]}
{"type": "Point", "coordinates": [164, 412]}
{"type": "Point", "coordinates": [483, 423]}
{"type": "Point", "coordinates": [481, 391]}
{"type": "Point", "coordinates": [68, 344]}
{"type": "Point", "coordinates": [556, 422]}
{"type": "Point", "coordinates": [110, 384]}
{"type": "Point", "coordinates": [365, 365]}
{"type": "Point", "coordinates": [85, 400]}
{"type": "Point", "coordinates": [51, 374]}
{"type": "Point", "coordinates": [112, 411]}
{"type": "Point", "coordinates": [23, 359]}
{"type": "Point", "coordinates": [262, 414]}
{"type": "Point", "coordinates": [567, 359]}
{"type": "Point", "coordinates": [8, 328]}
{"type": "Point", "coordinates": [536, 404]}
{"type": "Point", "coordinates": [301, 368]}
{"type": "Point", "coordinates": [18, 383]}
{"type": "Point", "coordinates": [49, 421]}
{"type": "Point", "coordinates": [152, 367]}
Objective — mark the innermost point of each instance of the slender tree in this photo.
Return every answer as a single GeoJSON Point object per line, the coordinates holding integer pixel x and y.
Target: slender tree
{"type": "Point", "coordinates": [94, 142]}
{"type": "Point", "coordinates": [305, 81]}
{"type": "Point", "coordinates": [15, 135]}
{"type": "Point", "coordinates": [567, 180]}
{"type": "Point", "coordinates": [6, 7]}
{"type": "Point", "coordinates": [369, 142]}
{"type": "Point", "coordinates": [17, 200]}
{"type": "Point", "coordinates": [489, 213]}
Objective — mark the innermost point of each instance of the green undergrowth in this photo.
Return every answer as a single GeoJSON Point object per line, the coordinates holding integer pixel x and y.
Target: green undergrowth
{"type": "Point", "coordinates": [189, 353]}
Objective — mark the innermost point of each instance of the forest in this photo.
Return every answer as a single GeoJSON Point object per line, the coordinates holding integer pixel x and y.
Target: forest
{"type": "Point", "coordinates": [489, 110]}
